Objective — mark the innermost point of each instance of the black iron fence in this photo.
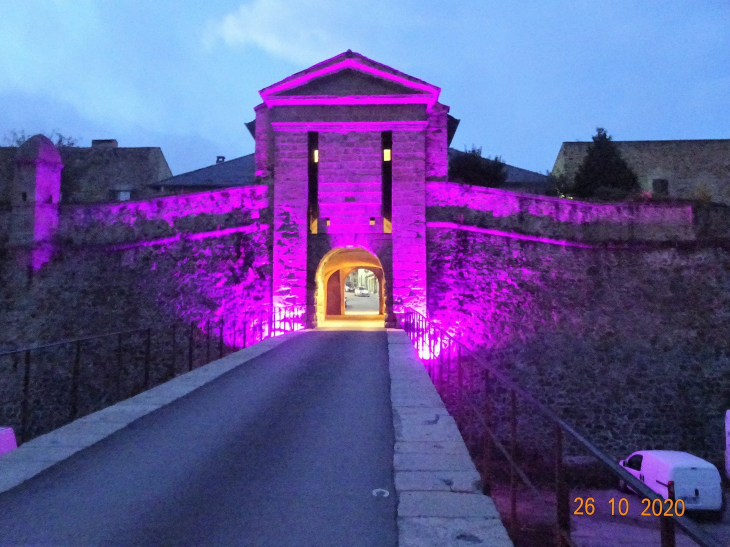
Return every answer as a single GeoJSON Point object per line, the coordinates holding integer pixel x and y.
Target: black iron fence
{"type": "Point", "coordinates": [488, 407]}
{"type": "Point", "coordinates": [46, 386]}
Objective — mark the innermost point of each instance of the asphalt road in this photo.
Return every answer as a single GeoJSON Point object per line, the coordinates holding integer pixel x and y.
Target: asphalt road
{"type": "Point", "coordinates": [283, 451]}
{"type": "Point", "coordinates": [369, 303]}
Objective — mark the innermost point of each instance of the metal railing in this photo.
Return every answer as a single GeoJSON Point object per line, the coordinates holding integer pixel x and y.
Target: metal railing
{"type": "Point", "coordinates": [451, 364]}
{"type": "Point", "coordinates": [46, 386]}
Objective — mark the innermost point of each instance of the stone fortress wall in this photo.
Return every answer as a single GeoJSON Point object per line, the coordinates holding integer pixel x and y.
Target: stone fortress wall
{"type": "Point", "coordinates": [614, 315]}
{"type": "Point", "coordinates": [693, 169]}
{"type": "Point", "coordinates": [127, 265]}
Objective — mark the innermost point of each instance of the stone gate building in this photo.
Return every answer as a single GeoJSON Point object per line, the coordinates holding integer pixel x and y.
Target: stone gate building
{"type": "Point", "coordinates": [349, 145]}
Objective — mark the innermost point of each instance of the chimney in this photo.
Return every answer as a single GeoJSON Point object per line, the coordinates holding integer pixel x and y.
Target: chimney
{"type": "Point", "coordinates": [104, 143]}
{"type": "Point", "coordinates": [220, 159]}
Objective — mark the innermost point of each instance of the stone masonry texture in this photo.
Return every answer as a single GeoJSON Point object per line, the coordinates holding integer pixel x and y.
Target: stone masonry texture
{"type": "Point", "coordinates": [628, 345]}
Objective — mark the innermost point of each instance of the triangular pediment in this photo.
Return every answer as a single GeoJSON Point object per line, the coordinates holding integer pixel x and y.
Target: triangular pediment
{"type": "Point", "coordinates": [350, 78]}
{"type": "Point", "coordinates": [349, 81]}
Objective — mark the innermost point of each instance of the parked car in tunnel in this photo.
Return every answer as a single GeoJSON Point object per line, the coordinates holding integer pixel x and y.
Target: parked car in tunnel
{"type": "Point", "coordinates": [362, 291]}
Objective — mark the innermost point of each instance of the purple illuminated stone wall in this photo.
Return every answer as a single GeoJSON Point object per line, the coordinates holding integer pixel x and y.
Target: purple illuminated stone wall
{"type": "Point", "coordinates": [559, 218]}
{"type": "Point", "coordinates": [628, 344]}
{"type": "Point", "coordinates": [183, 258]}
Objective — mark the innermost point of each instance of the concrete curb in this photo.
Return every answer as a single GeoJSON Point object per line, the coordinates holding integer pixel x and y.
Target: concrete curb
{"type": "Point", "coordinates": [42, 452]}
{"type": "Point", "coordinates": [438, 487]}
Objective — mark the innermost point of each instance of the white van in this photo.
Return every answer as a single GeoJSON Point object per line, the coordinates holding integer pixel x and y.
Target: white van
{"type": "Point", "coordinates": [696, 481]}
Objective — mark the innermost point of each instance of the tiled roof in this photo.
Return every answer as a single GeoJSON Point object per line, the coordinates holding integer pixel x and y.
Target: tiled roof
{"type": "Point", "coordinates": [235, 172]}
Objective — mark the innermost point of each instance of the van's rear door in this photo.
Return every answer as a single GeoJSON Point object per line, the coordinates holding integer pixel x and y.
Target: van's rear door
{"type": "Point", "coordinates": [699, 487]}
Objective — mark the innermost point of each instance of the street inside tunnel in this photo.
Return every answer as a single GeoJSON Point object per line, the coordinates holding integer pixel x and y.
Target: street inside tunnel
{"type": "Point", "coordinates": [354, 274]}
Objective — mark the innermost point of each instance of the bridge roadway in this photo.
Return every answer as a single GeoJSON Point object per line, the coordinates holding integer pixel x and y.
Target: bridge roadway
{"type": "Point", "coordinates": [283, 451]}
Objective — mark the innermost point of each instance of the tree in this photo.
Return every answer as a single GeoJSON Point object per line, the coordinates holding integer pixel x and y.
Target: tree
{"type": "Point", "coordinates": [470, 167]}
{"type": "Point", "coordinates": [604, 173]}
{"type": "Point", "coordinates": [16, 138]}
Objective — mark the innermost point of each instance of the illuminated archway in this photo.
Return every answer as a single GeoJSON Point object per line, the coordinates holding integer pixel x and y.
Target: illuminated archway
{"type": "Point", "coordinates": [332, 271]}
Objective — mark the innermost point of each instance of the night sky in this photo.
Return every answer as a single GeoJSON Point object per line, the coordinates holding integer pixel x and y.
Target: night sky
{"type": "Point", "coordinates": [522, 76]}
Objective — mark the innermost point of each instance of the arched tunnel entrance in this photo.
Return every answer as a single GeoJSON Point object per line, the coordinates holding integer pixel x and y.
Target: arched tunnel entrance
{"type": "Point", "coordinates": [348, 273]}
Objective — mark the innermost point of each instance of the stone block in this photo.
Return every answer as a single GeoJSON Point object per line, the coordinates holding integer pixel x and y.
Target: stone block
{"type": "Point", "coordinates": [423, 433]}
{"type": "Point", "coordinates": [452, 532]}
{"type": "Point", "coordinates": [442, 481]}
{"type": "Point", "coordinates": [446, 505]}
{"type": "Point", "coordinates": [412, 461]}
{"type": "Point", "coordinates": [431, 447]}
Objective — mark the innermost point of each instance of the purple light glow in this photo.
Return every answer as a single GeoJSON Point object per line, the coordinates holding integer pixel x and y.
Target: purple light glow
{"type": "Point", "coordinates": [348, 127]}
{"type": "Point", "coordinates": [342, 62]}
{"type": "Point", "coordinates": [170, 208]}
{"type": "Point", "coordinates": [196, 236]}
{"type": "Point", "coordinates": [503, 203]}
{"type": "Point", "coordinates": [513, 235]}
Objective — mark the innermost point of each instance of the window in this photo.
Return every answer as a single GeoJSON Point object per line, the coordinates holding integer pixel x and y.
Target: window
{"type": "Point", "coordinates": [24, 196]}
{"type": "Point", "coordinates": [635, 462]}
{"type": "Point", "coordinates": [387, 181]}
{"type": "Point", "coordinates": [660, 187]}
{"type": "Point", "coordinates": [313, 174]}
{"type": "Point", "coordinates": [124, 195]}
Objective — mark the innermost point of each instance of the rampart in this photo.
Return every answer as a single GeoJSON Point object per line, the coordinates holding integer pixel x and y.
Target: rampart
{"type": "Point", "coordinates": [615, 315]}
{"type": "Point", "coordinates": [126, 265]}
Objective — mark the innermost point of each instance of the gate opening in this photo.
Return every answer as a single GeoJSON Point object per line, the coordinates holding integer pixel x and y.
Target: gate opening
{"type": "Point", "coordinates": [350, 287]}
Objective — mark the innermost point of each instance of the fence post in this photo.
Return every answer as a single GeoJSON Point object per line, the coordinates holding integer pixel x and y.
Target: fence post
{"type": "Point", "coordinates": [119, 367]}
{"type": "Point", "coordinates": [190, 347]}
{"type": "Point", "coordinates": [561, 493]}
{"type": "Point", "coordinates": [26, 402]}
{"type": "Point", "coordinates": [207, 341]}
{"type": "Point", "coordinates": [174, 351]}
{"type": "Point", "coordinates": [75, 383]}
{"type": "Point", "coordinates": [442, 380]}
{"type": "Point", "coordinates": [667, 523]}
{"type": "Point", "coordinates": [488, 478]}
{"type": "Point", "coordinates": [220, 342]}
{"type": "Point", "coordinates": [147, 349]}
{"type": "Point", "coordinates": [513, 455]}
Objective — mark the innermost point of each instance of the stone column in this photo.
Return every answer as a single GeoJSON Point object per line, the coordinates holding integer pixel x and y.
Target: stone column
{"type": "Point", "coordinates": [34, 198]}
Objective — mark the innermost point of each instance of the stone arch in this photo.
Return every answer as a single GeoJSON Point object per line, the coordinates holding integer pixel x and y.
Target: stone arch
{"type": "Point", "coordinates": [334, 267]}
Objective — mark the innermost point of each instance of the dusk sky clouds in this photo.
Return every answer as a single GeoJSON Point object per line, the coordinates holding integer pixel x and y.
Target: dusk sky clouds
{"type": "Point", "coordinates": [522, 76]}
